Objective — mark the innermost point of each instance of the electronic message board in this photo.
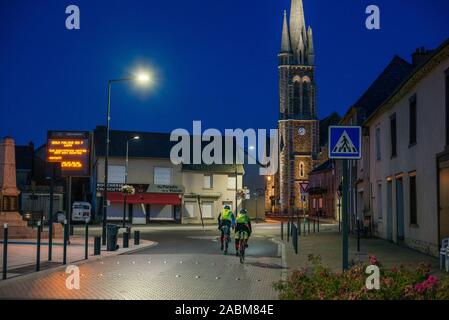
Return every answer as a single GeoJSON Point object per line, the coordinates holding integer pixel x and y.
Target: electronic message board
{"type": "Point", "coordinates": [72, 150]}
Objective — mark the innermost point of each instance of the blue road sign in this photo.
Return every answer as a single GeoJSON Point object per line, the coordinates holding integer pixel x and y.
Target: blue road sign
{"type": "Point", "coordinates": [345, 142]}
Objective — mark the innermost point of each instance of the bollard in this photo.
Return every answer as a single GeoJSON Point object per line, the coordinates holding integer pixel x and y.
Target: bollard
{"type": "Point", "coordinates": [304, 225]}
{"type": "Point", "coordinates": [38, 253]}
{"type": "Point", "coordinates": [288, 230]}
{"type": "Point", "coordinates": [72, 229]}
{"type": "Point", "coordinates": [97, 246]}
{"type": "Point", "coordinates": [358, 235]}
{"type": "Point", "coordinates": [282, 230]}
{"type": "Point", "coordinates": [65, 236]}
{"type": "Point", "coordinates": [86, 241]}
{"type": "Point", "coordinates": [136, 238]}
{"type": "Point", "coordinates": [5, 250]}
{"type": "Point", "coordinates": [314, 223]}
{"type": "Point", "coordinates": [318, 223]}
{"type": "Point", "coordinates": [125, 239]}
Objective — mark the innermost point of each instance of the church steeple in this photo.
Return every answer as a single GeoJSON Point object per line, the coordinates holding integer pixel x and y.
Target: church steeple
{"type": "Point", "coordinates": [310, 49]}
{"type": "Point", "coordinates": [297, 26]}
{"type": "Point", "coordinates": [285, 45]}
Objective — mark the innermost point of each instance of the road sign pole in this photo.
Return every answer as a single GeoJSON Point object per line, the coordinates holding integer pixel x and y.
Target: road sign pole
{"type": "Point", "coordinates": [345, 221]}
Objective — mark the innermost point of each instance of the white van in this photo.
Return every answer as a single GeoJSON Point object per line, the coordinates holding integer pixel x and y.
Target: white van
{"type": "Point", "coordinates": [81, 211]}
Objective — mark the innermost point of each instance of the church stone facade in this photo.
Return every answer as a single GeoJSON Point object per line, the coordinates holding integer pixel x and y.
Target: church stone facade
{"type": "Point", "coordinates": [298, 123]}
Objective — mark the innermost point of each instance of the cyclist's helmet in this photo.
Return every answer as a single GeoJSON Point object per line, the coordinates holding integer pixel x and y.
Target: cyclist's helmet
{"type": "Point", "coordinates": [227, 207]}
{"type": "Point", "coordinates": [243, 211]}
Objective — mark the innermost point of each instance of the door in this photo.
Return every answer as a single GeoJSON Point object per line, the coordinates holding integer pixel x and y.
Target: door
{"type": "Point", "coordinates": [443, 199]}
{"type": "Point", "coordinates": [389, 211]}
{"type": "Point", "coordinates": [399, 210]}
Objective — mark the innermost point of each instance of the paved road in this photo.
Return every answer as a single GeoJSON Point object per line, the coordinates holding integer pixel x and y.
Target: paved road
{"type": "Point", "coordinates": [186, 264]}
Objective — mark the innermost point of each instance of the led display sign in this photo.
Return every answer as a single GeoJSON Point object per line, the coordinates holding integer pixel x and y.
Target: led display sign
{"type": "Point", "coordinates": [71, 150]}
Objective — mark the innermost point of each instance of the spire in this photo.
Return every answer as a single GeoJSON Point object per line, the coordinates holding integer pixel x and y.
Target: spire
{"type": "Point", "coordinates": [285, 45]}
{"type": "Point", "coordinates": [297, 23]}
{"type": "Point", "coordinates": [310, 49]}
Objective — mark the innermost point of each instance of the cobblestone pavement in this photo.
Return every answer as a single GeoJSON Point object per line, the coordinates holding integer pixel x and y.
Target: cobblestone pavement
{"type": "Point", "coordinates": [184, 265]}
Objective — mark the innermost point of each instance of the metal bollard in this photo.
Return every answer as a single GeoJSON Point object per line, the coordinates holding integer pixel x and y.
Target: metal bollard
{"type": "Point", "coordinates": [318, 223]}
{"type": "Point", "coordinates": [136, 238]}
{"type": "Point", "coordinates": [5, 250]}
{"type": "Point", "coordinates": [288, 231]}
{"type": "Point", "coordinates": [86, 241]}
{"type": "Point", "coordinates": [97, 246]}
{"type": "Point", "coordinates": [65, 236]}
{"type": "Point", "coordinates": [314, 223]}
{"type": "Point", "coordinates": [38, 253]}
{"type": "Point", "coordinates": [125, 239]}
{"type": "Point", "coordinates": [282, 230]}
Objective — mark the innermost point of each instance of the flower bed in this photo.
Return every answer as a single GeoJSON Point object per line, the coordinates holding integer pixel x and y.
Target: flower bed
{"type": "Point", "coordinates": [398, 283]}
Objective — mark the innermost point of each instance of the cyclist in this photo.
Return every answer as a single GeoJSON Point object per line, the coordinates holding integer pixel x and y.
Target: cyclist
{"type": "Point", "coordinates": [243, 224]}
{"type": "Point", "coordinates": [225, 218]}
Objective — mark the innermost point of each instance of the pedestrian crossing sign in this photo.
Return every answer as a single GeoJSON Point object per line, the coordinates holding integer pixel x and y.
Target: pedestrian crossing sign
{"type": "Point", "coordinates": [345, 142]}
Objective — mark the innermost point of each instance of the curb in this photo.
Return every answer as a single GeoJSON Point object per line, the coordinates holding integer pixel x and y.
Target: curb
{"type": "Point", "coordinates": [283, 254]}
{"type": "Point", "coordinates": [77, 263]}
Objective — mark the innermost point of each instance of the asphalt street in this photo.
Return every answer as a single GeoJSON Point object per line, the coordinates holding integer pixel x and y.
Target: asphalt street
{"type": "Point", "coordinates": [185, 264]}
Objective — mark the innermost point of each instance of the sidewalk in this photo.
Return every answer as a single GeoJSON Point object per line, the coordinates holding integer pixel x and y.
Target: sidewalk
{"type": "Point", "coordinates": [22, 253]}
{"type": "Point", "coordinates": [328, 245]}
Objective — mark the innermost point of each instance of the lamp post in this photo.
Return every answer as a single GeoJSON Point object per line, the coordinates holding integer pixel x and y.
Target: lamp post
{"type": "Point", "coordinates": [141, 78]}
{"type": "Point", "coordinates": [126, 177]}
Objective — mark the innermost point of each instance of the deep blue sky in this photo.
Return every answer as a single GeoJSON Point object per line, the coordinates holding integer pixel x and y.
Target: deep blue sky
{"type": "Point", "coordinates": [215, 60]}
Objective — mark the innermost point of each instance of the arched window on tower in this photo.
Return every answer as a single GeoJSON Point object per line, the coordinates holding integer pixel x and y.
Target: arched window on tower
{"type": "Point", "coordinates": [296, 97]}
{"type": "Point", "coordinates": [301, 170]}
{"type": "Point", "coordinates": [306, 100]}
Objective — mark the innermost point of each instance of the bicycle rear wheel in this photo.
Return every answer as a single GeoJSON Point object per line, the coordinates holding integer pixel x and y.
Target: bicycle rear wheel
{"type": "Point", "coordinates": [242, 250]}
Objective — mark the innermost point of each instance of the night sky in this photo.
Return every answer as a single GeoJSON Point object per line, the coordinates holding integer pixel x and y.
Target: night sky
{"type": "Point", "coordinates": [214, 60]}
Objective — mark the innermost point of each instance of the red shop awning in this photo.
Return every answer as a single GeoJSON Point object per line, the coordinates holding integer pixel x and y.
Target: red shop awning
{"type": "Point", "coordinates": [146, 198]}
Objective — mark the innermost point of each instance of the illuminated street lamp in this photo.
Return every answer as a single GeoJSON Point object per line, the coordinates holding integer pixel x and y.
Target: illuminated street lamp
{"type": "Point", "coordinates": [126, 177]}
{"type": "Point", "coordinates": [141, 78]}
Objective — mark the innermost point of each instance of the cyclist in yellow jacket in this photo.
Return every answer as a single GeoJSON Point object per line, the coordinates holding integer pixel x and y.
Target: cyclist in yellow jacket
{"type": "Point", "coordinates": [243, 224]}
{"type": "Point", "coordinates": [225, 218]}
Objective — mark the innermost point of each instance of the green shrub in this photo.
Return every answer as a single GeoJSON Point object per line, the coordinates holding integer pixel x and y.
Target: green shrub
{"type": "Point", "coordinates": [398, 283]}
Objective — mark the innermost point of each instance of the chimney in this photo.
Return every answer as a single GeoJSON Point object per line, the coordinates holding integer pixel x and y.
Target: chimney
{"type": "Point", "coordinates": [420, 56]}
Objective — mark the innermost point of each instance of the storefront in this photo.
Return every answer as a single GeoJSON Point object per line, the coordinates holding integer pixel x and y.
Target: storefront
{"type": "Point", "coordinates": [149, 203]}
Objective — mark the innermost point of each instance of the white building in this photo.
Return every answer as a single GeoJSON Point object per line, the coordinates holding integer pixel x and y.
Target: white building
{"type": "Point", "coordinates": [409, 157]}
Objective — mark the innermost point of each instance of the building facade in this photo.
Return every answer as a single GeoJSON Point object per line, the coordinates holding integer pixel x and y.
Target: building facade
{"type": "Point", "coordinates": [298, 124]}
{"type": "Point", "coordinates": [409, 157]}
{"type": "Point", "coordinates": [323, 196]}
{"type": "Point", "coordinates": [164, 191]}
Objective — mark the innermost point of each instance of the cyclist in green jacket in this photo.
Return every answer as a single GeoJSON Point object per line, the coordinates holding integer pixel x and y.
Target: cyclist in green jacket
{"type": "Point", "coordinates": [243, 223]}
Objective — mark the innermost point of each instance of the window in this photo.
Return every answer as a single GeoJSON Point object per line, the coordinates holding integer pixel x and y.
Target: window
{"type": "Point", "coordinates": [116, 174]}
{"type": "Point", "coordinates": [231, 182]}
{"type": "Point", "coordinates": [412, 121]}
{"type": "Point", "coordinates": [206, 210]}
{"type": "Point", "coordinates": [413, 207]}
{"type": "Point", "coordinates": [320, 203]}
{"type": "Point", "coordinates": [296, 98]}
{"type": "Point", "coordinates": [207, 184]}
{"type": "Point", "coordinates": [306, 99]}
{"type": "Point", "coordinates": [189, 209]}
{"type": "Point", "coordinates": [378, 145]}
{"type": "Point", "coordinates": [379, 201]}
{"type": "Point", "coordinates": [393, 135]}
{"type": "Point", "coordinates": [313, 203]}
{"type": "Point", "coordinates": [162, 175]}
{"type": "Point", "coordinates": [301, 169]}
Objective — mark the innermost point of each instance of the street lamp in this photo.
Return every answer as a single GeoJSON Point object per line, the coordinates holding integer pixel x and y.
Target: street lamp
{"type": "Point", "coordinates": [141, 78]}
{"type": "Point", "coordinates": [126, 176]}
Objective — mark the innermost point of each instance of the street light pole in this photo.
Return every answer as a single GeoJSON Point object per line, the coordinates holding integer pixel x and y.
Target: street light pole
{"type": "Point", "coordinates": [140, 78]}
{"type": "Point", "coordinates": [126, 177]}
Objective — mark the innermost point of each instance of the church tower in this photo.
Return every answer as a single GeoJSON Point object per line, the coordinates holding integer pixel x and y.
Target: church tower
{"type": "Point", "coordinates": [298, 123]}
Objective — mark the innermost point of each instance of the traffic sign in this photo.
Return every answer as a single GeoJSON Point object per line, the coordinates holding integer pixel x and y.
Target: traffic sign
{"type": "Point", "coordinates": [345, 142]}
{"type": "Point", "coordinates": [304, 187]}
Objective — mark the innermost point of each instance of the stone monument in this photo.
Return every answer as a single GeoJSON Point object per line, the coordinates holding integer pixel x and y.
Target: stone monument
{"type": "Point", "coordinates": [9, 194]}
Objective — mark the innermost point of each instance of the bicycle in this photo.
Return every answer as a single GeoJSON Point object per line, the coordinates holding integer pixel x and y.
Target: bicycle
{"type": "Point", "coordinates": [242, 246]}
{"type": "Point", "coordinates": [226, 238]}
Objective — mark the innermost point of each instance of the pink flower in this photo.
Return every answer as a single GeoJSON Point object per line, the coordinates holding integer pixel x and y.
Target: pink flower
{"type": "Point", "coordinates": [373, 260]}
